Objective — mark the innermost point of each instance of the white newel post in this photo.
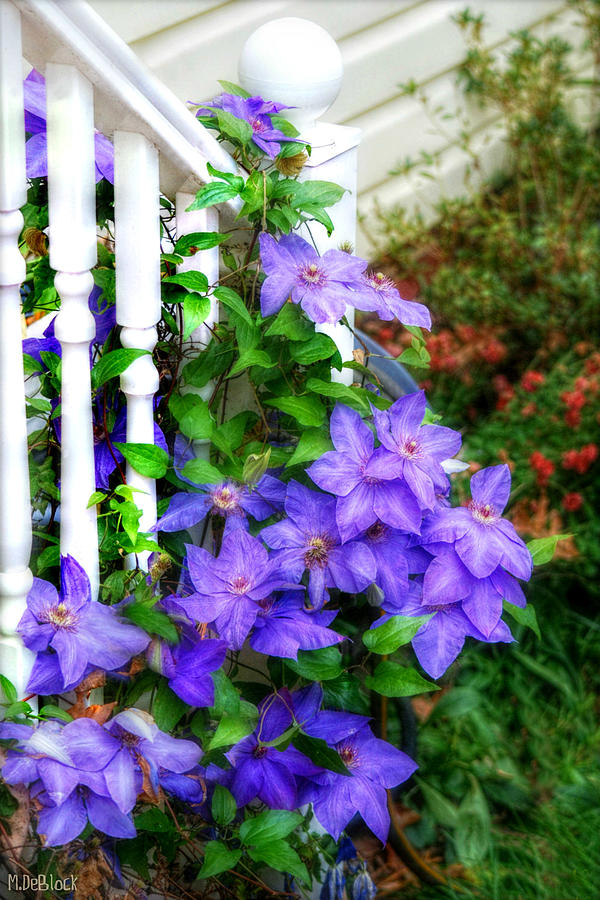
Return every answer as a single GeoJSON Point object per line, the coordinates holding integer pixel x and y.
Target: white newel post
{"type": "Point", "coordinates": [207, 262]}
{"type": "Point", "coordinates": [137, 261]}
{"type": "Point", "coordinates": [72, 216]}
{"type": "Point", "coordinates": [15, 511]}
{"type": "Point", "coordinates": [296, 62]}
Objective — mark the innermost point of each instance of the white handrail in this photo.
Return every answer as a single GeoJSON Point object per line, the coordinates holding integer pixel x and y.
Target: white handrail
{"type": "Point", "coordinates": [127, 96]}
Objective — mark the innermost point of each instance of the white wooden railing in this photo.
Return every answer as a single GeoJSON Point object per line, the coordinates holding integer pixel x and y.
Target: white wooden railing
{"type": "Point", "coordinates": [94, 81]}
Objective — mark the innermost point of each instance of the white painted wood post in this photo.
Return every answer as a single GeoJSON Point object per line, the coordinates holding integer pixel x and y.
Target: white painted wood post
{"type": "Point", "coordinates": [15, 511]}
{"type": "Point", "coordinates": [72, 217]}
{"type": "Point", "coordinates": [207, 262]}
{"type": "Point", "coordinates": [296, 62]}
{"type": "Point", "coordinates": [137, 261]}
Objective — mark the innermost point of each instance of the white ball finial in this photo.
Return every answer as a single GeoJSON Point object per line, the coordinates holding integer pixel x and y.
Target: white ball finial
{"type": "Point", "coordinates": [296, 62]}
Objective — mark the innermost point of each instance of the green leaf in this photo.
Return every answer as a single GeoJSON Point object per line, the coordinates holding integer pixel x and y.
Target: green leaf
{"type": "Point", "coordinates": [147, 459]}
{"type": "Point", "coordinates": [316, 193]}
{"type": "Point", "coordinates": [223, 806]}
{"type": "Point", "coordinates": [191, 281]}
{"type": "Point", "coordinates": [95, 498]}
{"type": "Point", "coordinates": [313, 443]}
{"type": "Point", "coordinates": [444, 812]}
{"type": "Point", "coordinates": [280, 856]}
{"type": "Point", "coordinates": [394, 680]}
{"type": "Point", "coordinates": [227, 698]}
{"type": "Point", "coordinates": [151, 620]}
{"type": "Point", "coordinates": [317, 665]}
{"type": "Point", "coordinates": [215, 192]}
{"type": "Point", "coordinates": [319, 752]}
{"type": "Point", "coordinates": [411, 357]}
{"type": "Point", "coordinates": [193, 415]}
{"type": "Point", "coordinates": [473, 827]}
{"type": "Point", "coordinates": [524, 616]}
{"type": "Point", "coordinates": [396, 632]}
{"type": "Point", "coordinates": [232, 729]}
{"type": "Point", "coordinates": [320, 346]}
{"type": "Point", "coordinates": [195, 310]}
{"type": "Point", "coordinates": [8, 689]}
{"type": "Point", "coordinates": [235, 128]}
{"type": "Point", "coordinates": [154, 819]}
{"type": "Point", "coordinates": [291, 323]}
{"type": "Point", "coordinates": [269, 825]}
{"type": "Point", "coordinates": [356, 398]}
{"type": "Point", "coordinates": [199, 240]}
{"type": "Point", "coordinates": [231, 178]}
{"type": "Point", "coordinates": [55, 712]}
{"type": "Point", "coordinates": [217, 859]}
{"type": "Point", "coordinates": [542, 549]}
{"type": "Point", "coordinates": [168, 708]}
{"type": "Point", "coordinates": [130, 517]}
{"type": "Point", "coordinates": [17, 709]}
{"type": "Point", "coordinates": [287, 128]}
{"type": "Point", "coordinates": [233, 301]}
{"type": "Point", "coordinates": [308, 410]}
{"type": "Point", "coordinates": [313, 211]}
{"type": "Point", "coordinates": [113, 363]}
{"type": "Point", "coordinates": [230, 88]}
{"type": "Point", "coordinates": [200, 471]}
{"type": "Point", "coordinates": [252, 358]}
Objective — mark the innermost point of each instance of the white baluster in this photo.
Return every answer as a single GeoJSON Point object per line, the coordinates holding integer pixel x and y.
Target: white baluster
{"type": "Point", "coordinates": [72, 215]}
{"type": "Point", "coordinates": [206, 261]}
{"type": "Point", "coordinates": [296, 62]}
{"type": "Point", "coordinates": [15, 512]}
{"type": "Point", "coordinates": [137, 249]}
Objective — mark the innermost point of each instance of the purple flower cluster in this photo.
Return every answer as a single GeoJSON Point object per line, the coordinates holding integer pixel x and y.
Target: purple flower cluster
{"type": "Point", "coordinates": [72, 634]}
{"type": "Point", "coordinates": [257, 113]}
{"type": "Point", "coordinates": [325, 285]}
{"type": "Point", "coordinates": [285, 778]}
{"type": "Point", "coordinates": [469, 557]}
{"type": "Point", "coordinates": [83, 771]}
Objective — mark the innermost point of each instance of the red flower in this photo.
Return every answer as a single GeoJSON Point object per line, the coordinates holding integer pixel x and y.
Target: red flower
{"type": "Point", "coordinates": [529, 409]}
{"type": "Point", "coordinates": [573, 418]}
{"type": "Point", "coordinates": [531, 381]}
{"type": "Point", "coordinates": [573, 399]}
{"type": "Point", "coordinates": [493, 352]}
{"type": "Point", "coordinates": [572, 502]}
{"type": "Point", "coordinates": [542, 466]}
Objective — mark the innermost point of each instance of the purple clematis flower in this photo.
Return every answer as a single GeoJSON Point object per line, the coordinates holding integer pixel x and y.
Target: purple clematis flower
{"type": "Point", "coordinates": [309, 539]}
{"type": "Point", "coordinates": [283, 627]}
{"type": "Point", "coordinates": [373, 764]}
{"type": "Point", "coordinates": [229, 589]}
{"type": "Point", "coordinates": [188, 664]}
{"type": "Point", "coordinates": [66, 765]}
{"type": "Point", "coordinates": [257, 112]}
{"type": "Point", "coordinates": [394, 558]}
{"type": "Point", "coordinates": [481, 537]}
{"type": "Point", "coordinates": [36, 148]}
{"type": "Point", "coordinates": [231, 500]}
{"type": "Point", "coordinates": [417, 451]}
{"type": "Point", "coordinates": [447, 580]}
{"type": "Point", "coordinates": [70, 632]}
{"type": "Point", "coordinates": [107, 458]}
{"type": "Point", "coordinates": [322, 285]}
{"type": "Point", "coordinates": [378, 293]}
{"type": "Point", "coordinates": [366, 485]}
{"type": "Point", "coordinates": [144, 751]}
{"type": "Point", "coordinates": [439, 641]}
{"type": "Point", "coordinates": [263, 771]}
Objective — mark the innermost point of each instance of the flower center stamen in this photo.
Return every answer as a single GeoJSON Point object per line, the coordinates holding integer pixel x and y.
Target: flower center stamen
{"type": "Point", "coordinates": [410, 449]}
{"type": "Point", "coordinates": [240, 584]}
{"type": "Point", "coordinates": [312, 275]}
{"type": "Point", "coordinates": [485, 514]}
{"type": "Point", "coordinates": [225, 499]}
{"type": "Point", "coordinates": [348, 755]}
{"type": "Point", "coordinates": [318, 552]}
{"type": "Point", "coordinates": [377, 531]}
{"type": "Point", "coordinates": [61, 617]}
{"type": "Point", "coordinates": [380, 282]}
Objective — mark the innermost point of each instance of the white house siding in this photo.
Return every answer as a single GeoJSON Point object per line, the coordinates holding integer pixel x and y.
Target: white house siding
{"type": "Point", "coordinates": [189, 44]}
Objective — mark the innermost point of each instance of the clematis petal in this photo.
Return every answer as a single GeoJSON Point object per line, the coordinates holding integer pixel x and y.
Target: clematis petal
{"type": "Point", "coordinates": [59, 825]}
{"type": "Point", "coordinates": [108, 818]}
{"type": "Point", "coordinates": [491, 485]}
